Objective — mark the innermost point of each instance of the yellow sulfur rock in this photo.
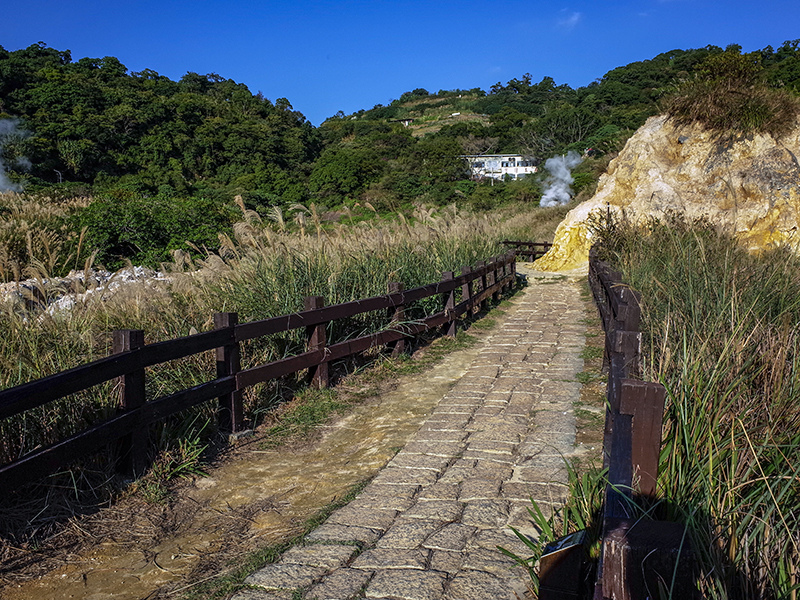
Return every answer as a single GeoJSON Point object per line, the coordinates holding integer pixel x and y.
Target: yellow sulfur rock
{"type": "Point", "coordinates": [750, 186]}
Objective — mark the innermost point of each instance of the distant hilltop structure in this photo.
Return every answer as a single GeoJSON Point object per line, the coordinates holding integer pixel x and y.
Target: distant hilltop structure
{"type": "Point", "coordinates": [500, 166]}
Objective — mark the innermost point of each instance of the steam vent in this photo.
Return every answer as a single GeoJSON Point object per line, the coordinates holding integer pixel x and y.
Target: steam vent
{"type": "Point", "coordinates": [750, 185]}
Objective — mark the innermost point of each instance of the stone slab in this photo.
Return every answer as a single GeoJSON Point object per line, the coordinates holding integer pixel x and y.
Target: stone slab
{"type": "Point", "coordinates": [485, 514]}
{"type": "Point", "coordinates": [491, 539]}
{"type": "Point", "coordinates": [328, 556]}
{"type": "Point", "coordinates": [405, 460]}
{"type": "Point", "coordinates": [391, 558]}
{"type": "Point", "coordinates": [344, 584]}
{"type": "Point", "coordinates": [446, 562]}
{"type": "Point", "coordinates": [395, 476]}
{"type": "Point", "coordinates": [377, 490]}
{"type": "Point", "coordinates": [440, 510]}
{"type": "Point", "coordinates": [384, 501]}
{"type": "Point", "coordinates": [253, 594]}
{"type": "Point", "coordinates": [550, 492]}
{"type": "Point", "coordinates": [330, 532]}
{"type": "Point", "coordinates": [407, 585]}
{"type": "Point", "coordinates": [488, 561]}
{"type": "Point", "coordinates": [476, 585]}
{"type": "Point", "coordinates": [451, 538]}
{"type": "Point", "coordinates": [448, 449]}
{"type": "Point", "coordinates": [479, 488]}
{"type": "Point", "coordinates": [409, 533]}
{"type": "Point", "coordinates": [352, 516]}
{"type": "Point", "coordinates": [449, 435]}
{"type": "Point", "coordinates": [440, 490]}
{"type": "Point", "coordinates": [279, 576]}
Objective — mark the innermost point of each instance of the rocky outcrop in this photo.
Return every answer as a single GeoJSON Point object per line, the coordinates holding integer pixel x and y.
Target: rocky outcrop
{"type": "Point", "coordinates": [62, 293]}
{"type": "Point", "coordinates": [749, 185]}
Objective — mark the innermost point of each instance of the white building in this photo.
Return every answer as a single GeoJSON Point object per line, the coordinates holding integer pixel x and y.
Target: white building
{"type": "Point", "coordinates": [500, 166]}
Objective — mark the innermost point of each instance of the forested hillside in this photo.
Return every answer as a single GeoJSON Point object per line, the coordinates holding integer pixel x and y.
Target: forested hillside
{"type": "Point", "coordinates": [150, 151]}
{"type": "Point", "coordinates": [91, 121]}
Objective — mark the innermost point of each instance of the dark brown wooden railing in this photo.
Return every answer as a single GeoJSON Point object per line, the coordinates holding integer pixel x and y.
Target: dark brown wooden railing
{"type": "Point", "coordinates": [638, 555]}
{"type": "Point", "coordinates": [529, 250]}
{"type": "Point", "coordinates": [478, 285]}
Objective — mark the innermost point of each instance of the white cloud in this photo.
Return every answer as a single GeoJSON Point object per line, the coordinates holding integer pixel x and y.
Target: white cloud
{"type": "Point", "coordinates": [569, 19]}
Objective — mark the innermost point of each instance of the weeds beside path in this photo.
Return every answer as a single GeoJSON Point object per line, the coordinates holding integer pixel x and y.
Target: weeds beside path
{"type": "Point", "coordinates": [134, 549]}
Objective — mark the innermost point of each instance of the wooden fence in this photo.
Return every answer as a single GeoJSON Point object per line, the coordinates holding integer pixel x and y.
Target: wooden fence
{"type": "Point", "coordinates": [529, 250]}
{"type": "Point", "coordinates": [639, 557]}
{"type": "Point", "coordinates": [487, 279]}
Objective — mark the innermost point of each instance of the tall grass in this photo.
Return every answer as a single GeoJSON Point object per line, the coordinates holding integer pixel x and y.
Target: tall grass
{"type": "Point", "coordinates": [35, 236]}
{"type": "Point", "coordinates": [723, 334]}
{"type": "Point", "coordinates": [262, 271]}
{"type": "Point", "coordinates": [729, 95]}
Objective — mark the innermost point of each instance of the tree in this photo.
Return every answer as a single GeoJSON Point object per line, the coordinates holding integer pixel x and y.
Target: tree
{"type": "Point", "coordinates": [343, 172]}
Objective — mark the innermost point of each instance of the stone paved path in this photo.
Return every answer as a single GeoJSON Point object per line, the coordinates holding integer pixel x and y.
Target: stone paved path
{"type": "Point", "coordinates": [428, 526]}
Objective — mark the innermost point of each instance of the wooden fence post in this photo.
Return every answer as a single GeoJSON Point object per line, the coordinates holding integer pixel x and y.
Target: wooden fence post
{"type": "Point", "coordinates": [450, 327]}
{"type": "Point", "coordinates": [640, 556]}
{"type": "Point", "coordinates": [628, 337]}
{"type": "Point", "coordinates": [466, 290]}
{"type": "Point", "coordinates": [514, 268]}
{"type": "Point", "coordinates": [484, 284]}
{"type": "Point", "coordinates": [230, 415]}
{"type": "Point", "coordinates": [504, 271]}
{"type": "Point", "coordinates": [508, 260]}
{"type": "Point", "coordinates": [644, 401]}
{"type": "Point", "coordinates": [501, 273]}
{"type": "Point", "coordinates": [316, 341]}
{"type": "Point", "coordinates": [495, 279]}
{"type": "Point", "coordinates": [133, 446]}
{"type": "Point", "coordinates": [398, 318]}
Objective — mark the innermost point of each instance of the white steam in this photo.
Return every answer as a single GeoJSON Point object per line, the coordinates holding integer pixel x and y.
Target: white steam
{"type": "Point", "coordinates": [10, 134]}
{"type": "Point", "coordinates": [557, 190]}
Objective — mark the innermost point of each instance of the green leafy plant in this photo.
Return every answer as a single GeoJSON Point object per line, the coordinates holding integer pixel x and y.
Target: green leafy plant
{"type": "Point", "coordinates": [182, 461]}
{"type": "Point", "coordinates": [581, 512]}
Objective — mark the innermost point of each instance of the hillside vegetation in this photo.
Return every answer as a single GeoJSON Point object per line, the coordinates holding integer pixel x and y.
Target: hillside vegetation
{"type": "Point", "coordinates": [158, 162]}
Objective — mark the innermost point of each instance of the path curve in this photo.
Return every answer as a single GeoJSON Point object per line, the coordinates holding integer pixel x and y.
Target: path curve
{"type": "Point", "coordinates": [428, 526]}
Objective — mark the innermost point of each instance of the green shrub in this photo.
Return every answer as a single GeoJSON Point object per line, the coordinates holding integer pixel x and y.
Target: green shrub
{"type": "Point", "coordinates": [145, 230]}
{"type": "Point", "coordinates": [730, 96]}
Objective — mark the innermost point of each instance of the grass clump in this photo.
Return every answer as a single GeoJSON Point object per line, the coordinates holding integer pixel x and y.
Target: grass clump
{"type": "Point", "coordinates": [729, 94]}
{"type": "Point", "coordinates": [311, 408]}
{"type": "Point", "coordinates": [722, 328]}
{"type": "Point", "coordinates": [580, 512]}
{"type": "Point", "coordinates": [181, 461]}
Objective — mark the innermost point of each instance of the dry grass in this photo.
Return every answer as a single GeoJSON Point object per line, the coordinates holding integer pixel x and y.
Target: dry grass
{"type": "Point", "coordinates": [729, 96]}
{"type": "Point", "coordinates": [34, 236]}
{"type": "Point", "coordinates": [261, 272]}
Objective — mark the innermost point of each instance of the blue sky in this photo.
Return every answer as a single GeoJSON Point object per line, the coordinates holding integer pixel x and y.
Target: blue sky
{"type": "Point", "coordinates": [326, 56]}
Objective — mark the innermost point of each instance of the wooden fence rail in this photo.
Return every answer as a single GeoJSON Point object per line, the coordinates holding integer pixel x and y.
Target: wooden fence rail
{"type": "Point", "coordinates": [529, 250]}
{"type": "Point", "coordinates": [637, 555]}
{"type": "Point", "coordinates": [131, 357]}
